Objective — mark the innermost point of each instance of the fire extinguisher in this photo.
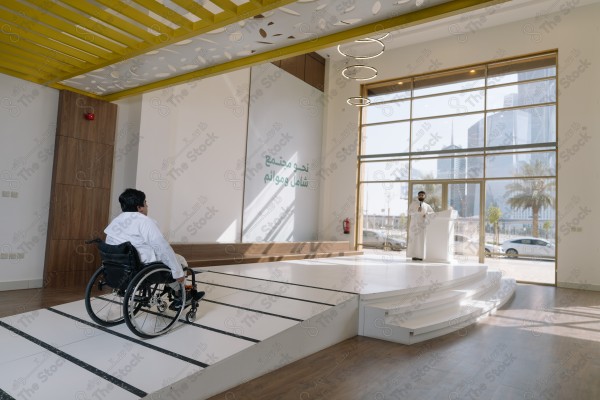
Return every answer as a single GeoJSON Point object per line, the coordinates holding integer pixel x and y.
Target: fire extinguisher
{"type": "Point", "coordinates": [346, 225]}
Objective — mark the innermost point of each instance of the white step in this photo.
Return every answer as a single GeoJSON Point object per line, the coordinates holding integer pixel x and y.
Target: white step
{"type": "Point", "coordinates": [436, 321]}
{"type": "Point", "coordinates": [427, 277]}
{"type": "Point", "coordinates": [436, 296]}
{"type": "Point", "coordinates": [464, 315]}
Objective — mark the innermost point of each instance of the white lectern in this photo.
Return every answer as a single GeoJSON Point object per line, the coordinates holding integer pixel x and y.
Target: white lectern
{"type": "Point", "coordinates": [439, 242]}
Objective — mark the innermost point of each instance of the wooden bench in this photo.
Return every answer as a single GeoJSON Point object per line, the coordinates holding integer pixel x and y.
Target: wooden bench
{"type": "Point", "coordinates": [211, 254]}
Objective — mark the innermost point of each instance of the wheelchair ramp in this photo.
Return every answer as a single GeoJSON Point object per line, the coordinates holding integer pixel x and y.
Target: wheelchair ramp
{"type": "Point", "coordinates": [244, 328]}
{"type": "Point", "coordinates": [255, 318]}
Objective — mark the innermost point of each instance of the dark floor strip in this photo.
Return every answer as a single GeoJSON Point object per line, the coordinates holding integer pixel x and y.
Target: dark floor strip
{"type": "Point", "coordinates": [267, 294]}
{"type": "Point", "coordinates": [208, 328]}
{"type": "Point", "coordinates": [76, 361]}
{"type": "Point", "coordinates": [229, 305]}
{"type": "Point", "coordinates": [5, 396]}
{"type": "Point", "coordinates": [253, 310]}
{"type": "Point", "coordinates": [289, 283]}
{"type": "Point", "coordinates": [131, 339]}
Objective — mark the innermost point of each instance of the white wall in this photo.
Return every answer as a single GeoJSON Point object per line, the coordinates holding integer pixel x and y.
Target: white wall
{"type": "Point", "coordinates": [27, 132]}
{"type": "Point", "coordinates": [574, 33]}
{"type": "Point", "coordinates": [284, 148]}
{"type": "Point", "coordinates": [184, 146]}
{"type": "Point", "coordinates": [127, 140]}
{"type": "Point", "coordinates": [191, 157]}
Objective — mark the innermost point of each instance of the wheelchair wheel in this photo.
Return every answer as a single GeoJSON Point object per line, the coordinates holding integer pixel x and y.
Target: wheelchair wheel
{"type": "Point", "coordinates": [103, 303]}
{"type": "Point", "coordinates": [147, 302]}
{"type": "Point", "coordinates": [190, 316]}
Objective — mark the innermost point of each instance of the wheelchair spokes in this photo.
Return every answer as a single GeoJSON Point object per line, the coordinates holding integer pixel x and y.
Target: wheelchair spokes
{"type": "Point", "coordinates": [103, 303]}
{"type": "Point", "coordinates": [149, 297]}
{"type": "Point", "coordinates": [142, 295]}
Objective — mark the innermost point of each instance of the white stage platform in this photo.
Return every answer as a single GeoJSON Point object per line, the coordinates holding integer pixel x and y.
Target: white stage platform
{"type": "Point", "coordinates": [255, 318]}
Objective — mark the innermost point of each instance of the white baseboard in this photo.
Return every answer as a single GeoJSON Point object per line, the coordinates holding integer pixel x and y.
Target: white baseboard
{"type": "Point", "coordinates": [18, 285]}
{"type": "Point", "coordinates": [579, 286]}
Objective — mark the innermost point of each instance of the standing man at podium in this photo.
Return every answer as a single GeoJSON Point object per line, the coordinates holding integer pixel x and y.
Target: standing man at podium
{"type": "Point", "coordinates": [417, 228]}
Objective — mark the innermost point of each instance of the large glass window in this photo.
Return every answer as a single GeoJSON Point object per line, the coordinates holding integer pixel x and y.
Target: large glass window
{"type": "Point", "coordinates": [527, 206]}
{"type": "Point", "coordinates": [522, 69]}
{"type": "Point", "coordinates": [447, 168]}
{"type": "Point", "coordinates": [386, 112]}
{"type": "Point", "coordinates": [449, 81]}
{"type": "Point", "coordinates": [521, 164]}
{"type": "Point", "coordinates": [448, 104]}
{"type": "Point", "coordinates": [521, 126]}
{"type": "Point", "coordinates": [385, 138]}
{"type": "Point", "coordinates": [395, 170]}
{"type": "Point", "coordinates": [432, 134]}
{"type": "Point", "coordinates": [486, 133]}
{"type": "Point", "coordinates": [523, 94]}
{"type": "Point", "coordinates": [384, 215]}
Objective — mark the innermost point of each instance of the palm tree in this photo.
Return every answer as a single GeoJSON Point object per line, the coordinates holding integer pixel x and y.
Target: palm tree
{"type": "Point", "coordinates": [534, 193]}
{"type": "Point", "coordinates": [493, 215]}
{"type": "Point", "coordinates": [547, 226]}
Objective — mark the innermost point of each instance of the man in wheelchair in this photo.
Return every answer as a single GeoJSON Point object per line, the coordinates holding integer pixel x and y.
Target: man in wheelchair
{"type": "Point", "coordinates": [133, 225]}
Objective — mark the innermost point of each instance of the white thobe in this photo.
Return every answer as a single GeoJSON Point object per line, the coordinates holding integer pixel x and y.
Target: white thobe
{"type": "Point", "coordinates": [417, 229]}
{"type": "Point", "coordinates": [144, 235]}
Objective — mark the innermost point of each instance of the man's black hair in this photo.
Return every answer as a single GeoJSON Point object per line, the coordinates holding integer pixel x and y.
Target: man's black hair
{"type": "Point", "coordinates": [131, 199]}
{"type": "Point", "coordinates": [422, 191]}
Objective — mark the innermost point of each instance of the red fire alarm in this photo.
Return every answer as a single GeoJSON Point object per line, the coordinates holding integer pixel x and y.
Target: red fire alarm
{"type": "Point", "coordinates": [89, 116]}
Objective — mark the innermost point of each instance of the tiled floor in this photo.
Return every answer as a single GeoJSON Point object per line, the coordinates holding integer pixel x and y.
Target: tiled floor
{"type": "Point", "coordinates": [57, 353]}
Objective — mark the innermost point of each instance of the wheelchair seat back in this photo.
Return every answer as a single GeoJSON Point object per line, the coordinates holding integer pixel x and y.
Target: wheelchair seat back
{"type": "Point", "coordinates": [121, 262]}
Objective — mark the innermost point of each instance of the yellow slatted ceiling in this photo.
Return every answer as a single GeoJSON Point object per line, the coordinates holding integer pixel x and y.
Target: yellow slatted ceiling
{"type": "Point", "coordinates": [87, 24]}
{"type": "Point", "coordinates": [51, 41]}
{"type": "Point", "coordinates": [195, 8]}
{"type": "Point", "coordinates": [225, 5]}
{"type": "Point", "coordinates": [166, 13]}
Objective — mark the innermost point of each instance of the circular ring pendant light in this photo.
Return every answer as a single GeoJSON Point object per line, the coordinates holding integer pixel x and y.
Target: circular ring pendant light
{"type": "Point", "coordinates": [378, 49]}
{"type": "Point", "coordinates": [359, 72]}
{"type": "Point", "coordinates": [358, 101]}
{"type": "Point", "coordinates": [362, 49]}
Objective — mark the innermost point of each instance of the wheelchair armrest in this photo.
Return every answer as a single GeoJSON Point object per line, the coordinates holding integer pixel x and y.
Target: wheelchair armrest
{"type": "Point", "coordinates": [150, 264]}
{"type": "Point", "coordinates": [95, 240]}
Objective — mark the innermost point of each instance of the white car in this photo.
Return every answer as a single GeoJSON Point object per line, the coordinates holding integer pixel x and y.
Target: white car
{"type": "Point", "coordinates": [529, 246]}
{"type": "Point", "coordinates": [377, 239]}
{"type": "Point", "coordinates": [467, 246]}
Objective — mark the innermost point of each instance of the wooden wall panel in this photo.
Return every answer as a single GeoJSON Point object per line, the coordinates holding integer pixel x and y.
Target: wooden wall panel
{"type": "Point", "coordinates": [294, 65]}
{"type": "Point", "coordinates": [70, 116]}
{"type": "Point", "coordinates": [82, 162]}
{"type": "Point", "coordinates": [81, 183]}
{"type": "Point", "coordinates": [82, 204]}
{"type": "Point", "coordinates": [314, 71]}
{"type": "Point", "coordinates": [308, 67]}
{"type": "Point", "coordinates": [206, 251]}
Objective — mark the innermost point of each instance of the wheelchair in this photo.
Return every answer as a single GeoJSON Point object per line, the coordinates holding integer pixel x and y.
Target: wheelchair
{"type": "Point", "coordinates": [142, 295]}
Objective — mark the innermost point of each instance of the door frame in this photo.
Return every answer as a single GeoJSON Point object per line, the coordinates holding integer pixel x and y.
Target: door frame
{"type": "Point", "coordinates": [445, 183]}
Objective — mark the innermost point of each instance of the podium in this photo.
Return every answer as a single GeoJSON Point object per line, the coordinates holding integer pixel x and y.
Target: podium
{"type": "Point", "coordinates": [439, 242]}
